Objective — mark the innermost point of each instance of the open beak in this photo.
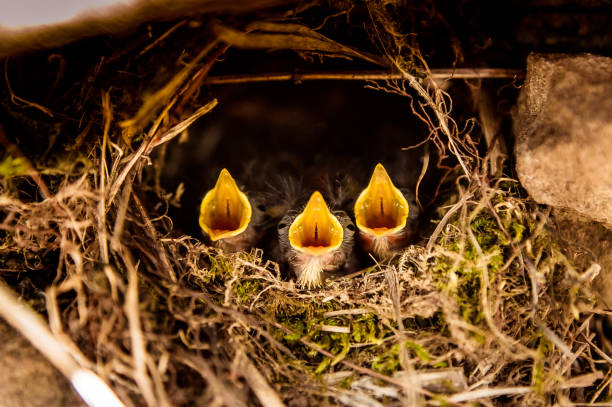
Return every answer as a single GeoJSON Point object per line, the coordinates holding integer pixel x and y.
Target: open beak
{"type": "Point", "coordinates": [225, 210]}
{"type": "Point", "coordinates": [316, 231]}
{"type": "Point", "coordinates": [381, 209]}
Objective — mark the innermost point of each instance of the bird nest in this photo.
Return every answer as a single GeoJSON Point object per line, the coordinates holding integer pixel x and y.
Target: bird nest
{"type": "Point", "coordinates": [485, 306]}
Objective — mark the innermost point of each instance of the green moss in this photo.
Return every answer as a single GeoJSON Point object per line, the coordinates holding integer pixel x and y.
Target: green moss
{"type": "Point", "coordinates": [518, 230]}
{"type": "Point", "coordinates": [462, 278]}
{"type": "Point", "coordinates": [221, 268]}
{"type": "Point", "coordinates": [13, 167]}
{"type": "Point", "coordinates": [389, 361]}
{"type": "Point", "coordinates": [346, 382]}
{"type": "Point", "coordinates": [246, 290]}
{"type": "Point", "coordinates": [307, 321]}
{"type": "Point", "coordinates": [487, 232]}
{"type": "Point", "coordinates": [539, 372]}
{"type": "Point", "coordinates": [367, 329]}
{"type": "Point", "coordinates": [418, 351]}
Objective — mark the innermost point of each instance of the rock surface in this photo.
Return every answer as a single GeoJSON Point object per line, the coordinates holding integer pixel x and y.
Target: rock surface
{"type": "Point", "coordinates": [27, 379]}
{"type": "Point", "coordinates": [563, 129]}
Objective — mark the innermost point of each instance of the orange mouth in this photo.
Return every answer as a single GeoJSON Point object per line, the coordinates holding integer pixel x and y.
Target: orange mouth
{"type": "Point", "coordinates": [381, 209]}
{"type": "Point", "coordinates": [316, 230]}
{"type": "Point", "coordinates": [225, 210]}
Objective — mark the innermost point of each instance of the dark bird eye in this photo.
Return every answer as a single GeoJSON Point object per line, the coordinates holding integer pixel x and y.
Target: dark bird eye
{"type": "Point", "coordinates": [350, 227]}
{"type": "Point", "coordinates": [282, 225]}
{"type": "Point", "coordinates": [261, 207]}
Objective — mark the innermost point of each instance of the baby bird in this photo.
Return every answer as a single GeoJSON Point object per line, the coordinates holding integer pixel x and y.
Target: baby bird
{"type": "Point", "coordinates": [383, 215]}
{"type": "Point", "coordinates": [315, 240]}
{"type": "Point", "coordinates": [227, 216]}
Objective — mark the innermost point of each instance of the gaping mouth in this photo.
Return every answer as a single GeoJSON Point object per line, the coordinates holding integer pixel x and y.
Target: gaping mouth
{"type": "Point", "coordinates": [316, 230]}
{"type": "Point", "coordinates": [381, 209]}
{"type": "Point", "coordinates": [225, 210]}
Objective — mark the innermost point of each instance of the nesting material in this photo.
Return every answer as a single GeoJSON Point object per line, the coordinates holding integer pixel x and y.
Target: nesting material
{"type": "Point", "coordinates": [485, 308]}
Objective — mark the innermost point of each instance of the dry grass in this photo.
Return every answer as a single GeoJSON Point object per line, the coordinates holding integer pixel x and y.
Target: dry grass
{"type": "Point", "coordinates": [488, 310]}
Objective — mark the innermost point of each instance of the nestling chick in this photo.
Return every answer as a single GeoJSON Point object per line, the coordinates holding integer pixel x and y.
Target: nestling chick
{"type": "Point", "coordinates": [227, 216]}
{"type": "Point", "coordinates": [383, 215]}
{"type": "Point", "coordinates": [315, 240]}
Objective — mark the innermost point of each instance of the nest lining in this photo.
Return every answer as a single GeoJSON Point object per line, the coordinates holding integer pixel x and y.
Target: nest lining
{"type": "Point", "coordinates": [489, 302]}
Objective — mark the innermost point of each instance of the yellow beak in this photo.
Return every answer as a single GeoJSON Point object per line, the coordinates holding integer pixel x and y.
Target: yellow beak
{"type": "Point", "coordinates": [381, 209]}
{"type": "Point", "coordinates": [225, 210]}
{"type": "Point", "coordinates": [316, 231]}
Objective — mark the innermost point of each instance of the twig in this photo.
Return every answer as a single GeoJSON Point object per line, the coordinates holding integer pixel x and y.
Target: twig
{"type": "Point", "coordinates": [17, 98]}
{"type": "Point", "coordinates": [438, 105]}
{"type": "Point", "coordinates": [180, 127]}
{"type": "Point", "coordinates": [136, 337]}
{"type": "Point", "coordinates": [162, 96]}
{"type": "Point", "coordinates": [599, 351]}
{"type": "Point", "coordinates": [394, 288]}
{"type": "Point", "coordinates": [152, 232]}
{"type": "Point", "coordinates": [194, 86]}
{"type": "Point", "coordinates": [422, 175]}
{"type": "Point", "coordinates": [264, 392]}
{"type": "Point", "coordinates": [245, 319]}
{"type": "Point", "coordinates": [134, 158]}
{"type": "Point", "coordinates": [490, 123]}
{"type": "Point", "coordinates": [444, 221]}
{"type": "Point", "coordinates": [206, 372]}
{"type": "Point", "coordinates": [337, 329]}
{"type": "Point", "coordinates": [534, 304]}
{"type": "Point", "coordinates": [147, 146]}
{"type": "Point", "coordinates": [294, 37]}
{"type": "Point", "coordinates": [354, 311]}
{"type": "Point", "coordinates": [32, 326]}
{"type": "Point", "coordinates": [27, 322]}
{"type": "Point", "coordinates": [380, 75]}
{"type": "Point", "coordinates": [162, 37]}
{"type": "Point", "coordinates": [488, 393]}
{"type": "Point", "coordinates": [102, 232]}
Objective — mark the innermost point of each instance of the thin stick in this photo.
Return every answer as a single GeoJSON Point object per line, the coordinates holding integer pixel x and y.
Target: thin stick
{"type": "Point", "coordinates": [163, 95]}
{"type": "Point", "coordinates": [354, 311]}
{"type": "Point", "coordinates": [181, 127]}
{"type": "Point", "coordinates": [34, 328]}
{"type": "Point", "coordinates": [438, 74]}
{"type": "Point", "coordinates": [162, 37]}
{"type": "Point", "coordinates": [422, 175]}
{"type": "Point", "coordinates": [218, 387]}
{"type": "Point", "coordinates": [136, 336]}
{"type": "Point", "coordinates": [258, 383]}
{"type": "Point", "coordinates": [444, 221]}
{"type": "Point", "coordinates": [488, 393]}
{"type": "Point", "coordinates": [152, 232]}
{"type": "Point", "coordinates": [30, 324]}
{"type": "Point", "coordinates": [15, 98]}
{"type": "Point", "coordinates": [152, 141]}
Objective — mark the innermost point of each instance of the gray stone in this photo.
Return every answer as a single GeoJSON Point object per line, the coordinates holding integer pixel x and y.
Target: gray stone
{"type": "Point", "coordinates": [563, 129]}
